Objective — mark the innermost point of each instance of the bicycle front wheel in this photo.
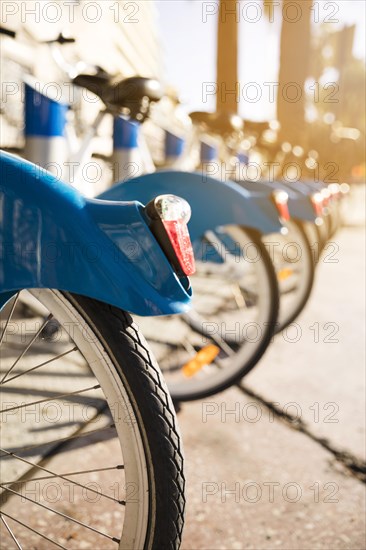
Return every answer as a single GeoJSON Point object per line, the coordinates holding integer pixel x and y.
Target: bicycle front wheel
{"type": "Point", "coordinates": [90, 452]}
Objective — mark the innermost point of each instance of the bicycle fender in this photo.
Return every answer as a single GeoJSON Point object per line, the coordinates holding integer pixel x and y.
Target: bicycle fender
{"type": "Point", "coordinates": [299, 204]}
{"type": "Point", "coordinates": [52, 237]}
{"type": "Point", "coordinates": [214, 203]}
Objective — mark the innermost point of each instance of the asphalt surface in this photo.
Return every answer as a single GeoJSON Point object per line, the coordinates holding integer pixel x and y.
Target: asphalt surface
{"type": "Point", "coordinates": [279, 462]}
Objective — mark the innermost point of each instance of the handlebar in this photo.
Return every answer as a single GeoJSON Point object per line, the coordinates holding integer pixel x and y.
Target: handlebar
{"type": "Point", "coordinates": [61, 39]}
{"type": "Point", "coordinates": [8, 32]}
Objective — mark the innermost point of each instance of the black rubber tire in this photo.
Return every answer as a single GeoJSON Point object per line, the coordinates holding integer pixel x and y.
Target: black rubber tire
{"type": "Point", "coordinates": [322, 235]}
{"type": "Point", "coordinates": [155, 414]}
{"type": "Point", "coordinates": [335, 219]}
{"type": "Point", "coordinates": [328, 225]}
{"type": "Point", "coordinates": [310, 278]}
{"type": "Point", "coordinates": [267, 335]}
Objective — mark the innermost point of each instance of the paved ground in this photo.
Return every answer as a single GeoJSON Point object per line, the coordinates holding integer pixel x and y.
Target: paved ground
{"type": "Point", "coordinates": [256, 481]}
{"type": "Point", "coordinates": [275, 463]}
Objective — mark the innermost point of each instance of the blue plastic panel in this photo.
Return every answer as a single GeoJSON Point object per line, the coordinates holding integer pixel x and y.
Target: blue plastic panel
{"type": "Point", "coordinates": [52, 237]}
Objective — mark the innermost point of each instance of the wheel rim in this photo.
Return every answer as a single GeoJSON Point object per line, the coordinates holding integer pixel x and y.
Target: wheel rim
{"type": "Point", "coordinates": [248, 328]}
{"type": "Point", "coordinates": [293, 291]}
{"type": "Point", "coordinates": [126, 512]}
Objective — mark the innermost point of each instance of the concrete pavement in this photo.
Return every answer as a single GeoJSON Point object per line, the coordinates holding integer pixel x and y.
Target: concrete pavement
{"type": "Point", "coordinates": [277, 463]}
{"type": "Point", "coordinates": [255, 480]}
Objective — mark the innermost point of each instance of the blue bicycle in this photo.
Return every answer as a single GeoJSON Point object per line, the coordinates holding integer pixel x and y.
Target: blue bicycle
{"type": "Point", "coordinates": [92, 383]}
{"type": "Point", "coordinates": [228, 331]}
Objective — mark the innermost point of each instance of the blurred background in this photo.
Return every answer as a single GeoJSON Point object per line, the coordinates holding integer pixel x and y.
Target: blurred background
{"type": "Point", "coordinates": [299, 65]}
{"type": "Point", "coordinates": [295, 72]}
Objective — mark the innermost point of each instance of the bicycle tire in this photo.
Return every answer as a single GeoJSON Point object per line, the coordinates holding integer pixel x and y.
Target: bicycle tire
{"type": "Point", "coordinates": [306, 278]}
{"type": "Point", "coordinates": [134, 368]}
{"type": "Point", "coordinates": [239, 368]}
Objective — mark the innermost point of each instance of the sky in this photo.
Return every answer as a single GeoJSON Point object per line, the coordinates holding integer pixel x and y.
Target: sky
{"type": "Point", "coordinates": [188, 34]}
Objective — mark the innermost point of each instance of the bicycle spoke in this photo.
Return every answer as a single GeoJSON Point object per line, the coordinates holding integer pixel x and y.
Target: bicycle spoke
{"type": "Point", "coordinates": [36, 367]}
{"type": "Point", "coordinates": [61, 476]}
{"type": "Point", "coordinates": [58, 513]}
{"type": "Point", "coordinates": [10, 532]}
{"type": "Point", "coordinates": [238, 296]}
{"type": "Point", "coordinates": [86, 454]}
{"type": "Point", "coordinates": [27, 347]}
{"type": "Point", "coordinates": [61, 440]}
{"type": "Point", "coordinates": [197, 322]}
{"type": "Point", "coordinates": [9, 318]}
{"type": "Point", "coordinates": [81, 472]}
{"type": "Point", "coordinates": [34, 531]}
{"type": "Point", "coordinates": [57, 444]}
{"type": "Point", "coordinates": [51, 398]}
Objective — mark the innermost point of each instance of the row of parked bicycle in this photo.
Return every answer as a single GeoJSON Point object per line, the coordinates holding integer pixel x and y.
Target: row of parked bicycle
{"type": "Point", "coordinates": [72, 266]}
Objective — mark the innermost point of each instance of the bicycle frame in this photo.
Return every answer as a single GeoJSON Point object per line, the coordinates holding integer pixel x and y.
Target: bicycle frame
{"type": "Point", "coordinates": [129, 152]}
{"type": "Point", "coordinates": [49, 141]}
{"type": "Point", "coordinates": [299, 204]}
{"type": "Point", "coordinates": [44, 128]}
{"type": "Point", "coordinates": [43, 139]}
{"type": "Point", "coordinates": [52, 237]}
{"type": "Point", "coordinates": [213, 201]}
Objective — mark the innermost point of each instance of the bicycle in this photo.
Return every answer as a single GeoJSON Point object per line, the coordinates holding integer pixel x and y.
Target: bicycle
{"type": "Point", "coordinates": [300, 170]}
{"type": "Point", "coordinates": [220, 134]}
{"type": "Point", "coordinates": [313, 206]}
{"type": "Point", "coordinates": [232, 206]}
{"type": "Point", "coordinates": [85, 263]}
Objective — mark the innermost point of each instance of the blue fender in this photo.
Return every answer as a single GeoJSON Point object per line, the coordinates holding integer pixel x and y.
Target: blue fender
{"type": "Point", "coordinates": [52, 237]}
{"type": "Point", "coordinates": [214, 203]}
{"type": "Point", "coordinates": [299, 204]}
{"type": "Point", "coordinates": [307, 186]}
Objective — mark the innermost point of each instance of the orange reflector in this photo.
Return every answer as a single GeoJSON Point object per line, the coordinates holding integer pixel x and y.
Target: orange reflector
{"type": "Point", "coordinates": [284, 274]}
{"type": "Point", "coordinates": [203, 357]}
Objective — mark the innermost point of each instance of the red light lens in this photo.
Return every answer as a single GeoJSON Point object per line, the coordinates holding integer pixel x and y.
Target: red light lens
{"type": "Point", "coordinates": [178, 234]}
{"type": "Point", "coordinates": [280, 199]}
{"type": "Point", "coordinates": [317, 202]}
{"type": "Point", "coordinates": [326, 194]}
{"type": "Point", "coordinates": [283, 211]}
{"type": "Point", "coordinates": [169, 216]}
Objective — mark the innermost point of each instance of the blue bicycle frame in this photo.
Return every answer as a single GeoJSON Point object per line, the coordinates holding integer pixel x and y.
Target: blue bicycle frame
{"type": "Point", "coordinates": [52, 237]}
{"type": "Point", "coordinates": [299, 205]}
{"type": "Point", "coordinates": [225, 200]}
{"type": "Point", "coordinates": [213, 202]}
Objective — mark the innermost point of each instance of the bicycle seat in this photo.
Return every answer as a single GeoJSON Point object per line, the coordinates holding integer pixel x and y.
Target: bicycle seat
{"type": "Point", "coordinates": [134, 94]}
{"type": "Point", "coordinates": [93, 82]}
{"type": "Point", "coordinates": [218, 123]}
{"type": "Point", "coordinates": [199, 117]}
{"type": "Point", "coordinates": [96, 82]}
